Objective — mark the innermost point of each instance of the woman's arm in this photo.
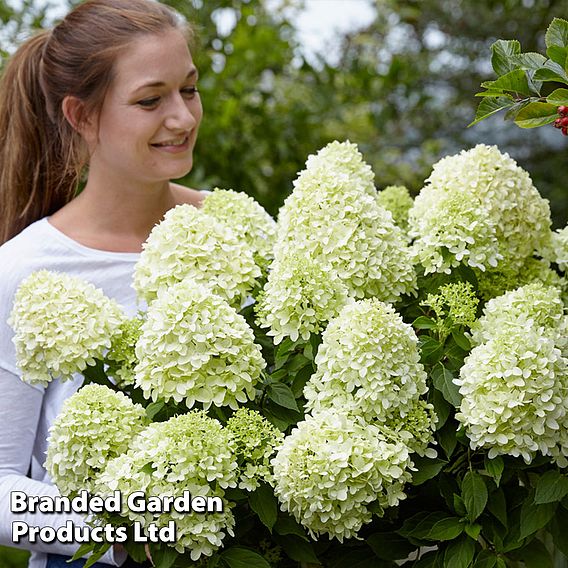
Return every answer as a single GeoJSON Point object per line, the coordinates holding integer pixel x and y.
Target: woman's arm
{"type": "Point", "coordinates": [20, 409]}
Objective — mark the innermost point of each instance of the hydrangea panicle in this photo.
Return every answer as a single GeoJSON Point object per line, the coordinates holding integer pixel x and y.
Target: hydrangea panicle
{"type": "Point", "coordinates": [513, 391]}
{"type": "Point", "coordinates": [397, 200]}
{"type": "Point", "coordinates": [96, 424]}
{"type": "Point", "coordinates": [559, 248]}
{"type": "Point", "coordinates": [300, 297]}
{"type": "Point", "coordinates": [532, 304]}
{"type": "Point", "coordinates": [454, 304]}
{"type": "Point", "coordinates": [121, 357]}
{"type": "Point", "coordinates": [332, 467]}
{"type": "Point", "coordinates": [368, 363]}
{"type": "Point", "coordinates": [255, 441]}
{"type": "Point", "coordinates": [190, 452]}
{"type": "Point", "coordinates": [61, 324]}
{"type": "Point", "coordinates": [478, 207]}
{"type": "Point", "coordinates": [189, 243]}
{"type": "Point", "coordinates": [333, 222]}
{"type": "Point", "coordinates": [195, 347]}
{"type": "Point", "coordinates": [246, 218]}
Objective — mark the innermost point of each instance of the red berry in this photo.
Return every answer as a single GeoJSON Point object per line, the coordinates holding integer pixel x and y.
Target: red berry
{"type": "Point", "coordinates": [563, 110]}
{"type": "Point", "coordinates": [565, 131]}
{"type": "Point", "coordinates": [557, 123]}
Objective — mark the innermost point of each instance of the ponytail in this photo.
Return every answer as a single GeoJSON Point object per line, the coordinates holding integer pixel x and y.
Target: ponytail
{"type": "Point", "coordinates": [35, 176]}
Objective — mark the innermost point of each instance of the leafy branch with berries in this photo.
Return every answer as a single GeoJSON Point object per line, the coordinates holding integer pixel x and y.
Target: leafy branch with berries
{"type": "Point", "coordinates": [526, 86]}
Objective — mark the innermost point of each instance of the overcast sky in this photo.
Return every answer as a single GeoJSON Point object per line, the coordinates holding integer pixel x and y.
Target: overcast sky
{"type": "Point", "coordinates": [322, 20]}
{"type": "Point", "coordinates": [318, 25]}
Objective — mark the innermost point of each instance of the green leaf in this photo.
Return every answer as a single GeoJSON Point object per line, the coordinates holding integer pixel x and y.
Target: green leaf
{"type": "Point", "coordinates": [287, 525]}
{"type": "Point", "coordinates": [459, 506]}
{"type": "Point", "coordinates": [529, 61]}
{"type": "Point", "coordinates": [432, 559]}
{"type": "Point", "coordinates": [426, 468]}
{"type": "Point", "coordinates": [281, 417]}
{"type": "Point", "coordinates": [432, 526]}
{"type": "Point", "coordinates": [474, 494]}
{"type": "Point", "coordinates": [485, 559]}
{"type": "Point", "coordinates": [490, 105]}
{"type": "Point", "coordinates": [164, 556]}
{"type": "Point", "coordinates": [390, 546]}
{"type": "Point", "coordinates": [494, 468]}
{"type": "Point", "coordinates": [514, 81]}
{"type": "Point", "coordinates": [278, 375]}
{"type": "Point", "coordinates": [297, 548]}
{"type": "Point", "coordinates": [535, 517]}
{"type": "Point", "coordinates": [264, 504]}
{"type": "Point", "coordinates": [489, 92]}
{"type": "Point", "coordinates": [98, 552]}
{"type": "Point", "coordinates": [461, 339]}
{"type": "Point", "coordinates": [213, 561]}
{"type": "Point", "coordinates": [497, 506]}
{"type": "Point", "coordinates": [551, 487]}
{"type": "Point", "coordinates": [558, 54]}
{"type": "Point", "coordinates": [533, 555]}
{"type": "Point", "coordinates": [558, 97]}
{"type": "Point", "coordinates": [447, 439]}
{"type": "Point", "coordinates": [514, 110]}
{"type": "Point", "coordinates": [430, 349]}
{"type": "Point", "coordinates": [558, 530]}
{"type": "Point", "coordinates": [238, 557]}
{"type": "Point", "coordinates": [282, 395]}
{"type": "Point", "coordinates": [300, 380]}
{"type": "Point", "coordinates": [423, 322]}
{"type": "Point", "coordinates": [441, 407]}
{"type": "Point", "coordinates": [153, 408]}
{"type": "Point", "coordinates": [298, 362]}
{"type": "Point", "coordinates": [557, 33]}
{"type": "Point", "coordinates": [283, 352]}
{"type": "Point", "coordinates": [551, 71]}
{"type": "Point", "coordinates": [536, 114]}
{"type": "Point", "coordinates": [502, 52]}
{"type": "Point", "coordinates": [148, 468]}
{"type": "Point", "coordinates": [473, 530]}
{"type": "Point", "coordinates": [459, 553]}
{"type": "Point", "coordinates": [84, 549]}
{"type": "Point", "coordinates": [136, 551]}
{"type": "Point", "coordinates": [443, 381]}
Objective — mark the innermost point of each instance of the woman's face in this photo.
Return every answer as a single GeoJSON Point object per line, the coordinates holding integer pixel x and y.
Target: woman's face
{"type": "Point", "coordinates": [148, 124]}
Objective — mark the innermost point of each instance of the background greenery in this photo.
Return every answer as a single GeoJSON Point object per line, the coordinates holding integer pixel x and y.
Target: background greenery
{"type": "Point", "coordinates": [402, 90]}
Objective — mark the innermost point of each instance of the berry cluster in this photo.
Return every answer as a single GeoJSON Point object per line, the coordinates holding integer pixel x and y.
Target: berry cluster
{"type": "Point", "coordinates": [562, 122]}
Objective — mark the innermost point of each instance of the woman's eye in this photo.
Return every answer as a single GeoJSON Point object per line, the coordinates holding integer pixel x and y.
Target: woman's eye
{"type": "Point", "coordinates": [189, 92]}
{"type": "Point", "coordinates": [149, 103]}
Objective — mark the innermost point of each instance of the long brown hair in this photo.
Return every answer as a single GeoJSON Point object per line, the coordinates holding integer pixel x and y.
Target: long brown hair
{"type": "Point", "coordinates": [41, 154]}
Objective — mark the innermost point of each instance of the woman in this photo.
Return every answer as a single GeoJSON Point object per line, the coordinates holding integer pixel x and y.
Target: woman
{"type": "Point", "coordinates": [112, 88]}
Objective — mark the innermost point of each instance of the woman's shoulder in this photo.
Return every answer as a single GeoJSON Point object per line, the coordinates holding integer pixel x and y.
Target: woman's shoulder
{"type": "Point", "coordinates": [187, 195]}
{"type": "Point", "coordinates": [23, 247]}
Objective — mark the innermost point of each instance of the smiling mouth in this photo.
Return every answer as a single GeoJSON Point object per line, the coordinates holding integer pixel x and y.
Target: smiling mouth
{"type": "Point", "coordinates": [174, 142]}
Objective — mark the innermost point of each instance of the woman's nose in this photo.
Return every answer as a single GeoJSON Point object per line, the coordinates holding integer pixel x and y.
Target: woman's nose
{"type": "Point", "coordinates": [182, 114]}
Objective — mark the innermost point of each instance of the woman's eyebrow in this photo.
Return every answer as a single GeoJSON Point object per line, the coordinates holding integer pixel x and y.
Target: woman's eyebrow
{"type": "Point", "coordinates": [192, 73]}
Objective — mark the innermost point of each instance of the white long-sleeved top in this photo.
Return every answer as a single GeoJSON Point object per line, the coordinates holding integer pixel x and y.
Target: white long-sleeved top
{"type": "Point", "coordinates": [27, 412]}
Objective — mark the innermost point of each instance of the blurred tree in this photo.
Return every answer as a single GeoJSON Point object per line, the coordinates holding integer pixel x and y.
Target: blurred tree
{"type": "Point", "coordinates": [406, 86]}
{"type": "Point", "coordinates": [18, 20]}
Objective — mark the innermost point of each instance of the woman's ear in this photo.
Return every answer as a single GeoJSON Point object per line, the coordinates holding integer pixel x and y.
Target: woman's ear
{"type": "Point", "coordinates": [74, 111]}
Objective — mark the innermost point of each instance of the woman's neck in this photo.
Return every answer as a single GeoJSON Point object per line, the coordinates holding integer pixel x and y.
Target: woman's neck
{"type": "Point", "coordinates": [119, 220]}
